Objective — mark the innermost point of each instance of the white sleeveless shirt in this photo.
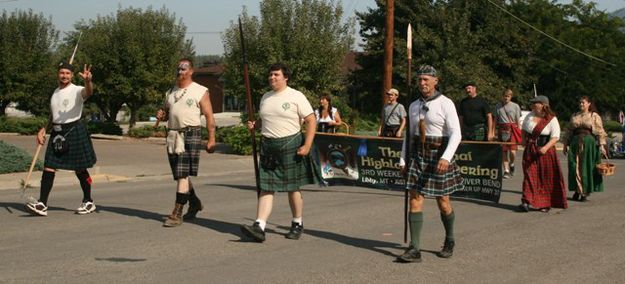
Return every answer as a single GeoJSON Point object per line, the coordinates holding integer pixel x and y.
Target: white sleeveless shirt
{"type": "Point", "coordinates": [184, 106]}
{"type": "Point", "coordinates": [66, 104]}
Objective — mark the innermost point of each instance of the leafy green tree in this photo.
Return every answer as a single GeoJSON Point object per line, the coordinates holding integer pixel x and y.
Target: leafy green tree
{"type": "Point", "coordinates": [134, 55]}
{"type": "Point", "coordinates": [27, 41]}
{"type": "Point", "coordinates": [463, 40]}
{"type": "Point", "coordinates": [307, 35]}
{"type": "Point", "coordinates": [482, 41]}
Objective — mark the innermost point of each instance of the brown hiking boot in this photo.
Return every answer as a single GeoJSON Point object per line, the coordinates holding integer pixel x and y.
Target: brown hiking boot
{"type": "Point", "coordinates": [175, 219]}
{"type": "Point", "coordinates": [195, 205]}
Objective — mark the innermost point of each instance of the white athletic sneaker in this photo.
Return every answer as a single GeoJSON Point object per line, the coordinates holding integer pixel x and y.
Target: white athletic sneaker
{"type": "Point", "coordinates": [37, 208]}
{"type": "Point", "coordinates": [86, 208]}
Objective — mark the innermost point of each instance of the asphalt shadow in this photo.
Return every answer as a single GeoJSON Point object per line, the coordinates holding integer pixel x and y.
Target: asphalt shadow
{"type": "Point", "coordinates": [509, 207]}
{"type": "Point", "coordinates": [20, 208]}
{"type": "Point", "coordinates": [372, 245]}
{"type": "Point", "coordinates": [132, 212]}
{"type": "Point", "coordinates": [234, 186]}
{"type": "Point", "coordinates": [215, 225]}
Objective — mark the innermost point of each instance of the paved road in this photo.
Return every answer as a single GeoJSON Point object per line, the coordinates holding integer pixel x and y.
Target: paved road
{"type": "Point", "coordinates": [351, 235]}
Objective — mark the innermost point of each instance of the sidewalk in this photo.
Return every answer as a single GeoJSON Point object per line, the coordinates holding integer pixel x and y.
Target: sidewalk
{"type": "Point", "coordinates": [128, 160]}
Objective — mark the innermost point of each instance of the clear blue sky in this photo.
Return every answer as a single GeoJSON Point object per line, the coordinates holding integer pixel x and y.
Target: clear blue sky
{"type": "Point", "coordinates": [205, 19]}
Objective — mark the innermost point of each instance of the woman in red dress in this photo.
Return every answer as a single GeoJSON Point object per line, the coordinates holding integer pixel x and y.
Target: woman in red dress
{"type": "Point", "coordinates": [543, 183]}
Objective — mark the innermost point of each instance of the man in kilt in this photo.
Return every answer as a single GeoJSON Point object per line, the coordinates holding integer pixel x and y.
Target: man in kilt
{"type": "Point", "coordinates": [70, 146]}
{"type": "Point", "coordinates": [285, 159]}
{"type": "Point", "coordinates": [432, 140]}
{"type": "Point", "coordinates": [475, 116]}
{"type": "Point", "coordinates": [184, 105]}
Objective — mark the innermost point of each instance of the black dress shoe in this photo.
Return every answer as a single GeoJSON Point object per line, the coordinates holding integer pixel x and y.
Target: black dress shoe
{"type": "Point", "coordinates": [295, 232]}
{"type": "Point", "coordinates": [254, 232]}
{"type": "Point", "coordinates": [448, 249]}
{"type": "Point", "coordinates": [410, 255]}
{"type": "Point", "coordinates": [524, 207]}
{"type": "Point", "coordinates": [575, 197]}
{"type": "Point", "coordinates": [583, 198]}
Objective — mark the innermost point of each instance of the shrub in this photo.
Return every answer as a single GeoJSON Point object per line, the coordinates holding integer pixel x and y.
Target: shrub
{"type": "Point", "coordinates": [612, 126]}
{"type": "Point", "coordinates": [237, 137]}
{"type": "Point", "coordinates": [14, 159]}
{"type": "Point", "coordinates": [147, 131]}
{"type": "Point", "coordinates": [24, 126]}
{"type": "Point", "coordinates": [104, 127]}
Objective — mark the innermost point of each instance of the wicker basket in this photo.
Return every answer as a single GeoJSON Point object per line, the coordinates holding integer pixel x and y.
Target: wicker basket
{"type": "Point", "coordinates": [605, 169]}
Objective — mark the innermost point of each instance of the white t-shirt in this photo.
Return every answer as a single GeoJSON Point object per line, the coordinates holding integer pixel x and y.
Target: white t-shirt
{"type": "Point", "coordinates": [184, 106]}
{"type": "Point", "coordinates": [552, 129]}
{"type": "Point", "coordinates": [327, 118]}
{"type": "Point", "coordinates": [282, 112]}
{"type": "Point", "coordinates": [66, 104]}
{"type": "Point", "coordinates": [441, 120]}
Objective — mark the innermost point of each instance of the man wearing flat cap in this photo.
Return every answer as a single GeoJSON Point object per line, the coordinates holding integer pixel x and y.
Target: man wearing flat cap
{"type": "Point", "coordinates": [475, 116]}
{"type": "Point", "coordinates": [70, 146]}
{"type": "Point", "coordinates": [431, 140]}
{"type": "Point", "coordinates": [393, 118]}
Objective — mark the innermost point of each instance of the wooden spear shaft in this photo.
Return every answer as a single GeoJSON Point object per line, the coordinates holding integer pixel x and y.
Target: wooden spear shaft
{"type": "Point", "coordinates": [250, 107]}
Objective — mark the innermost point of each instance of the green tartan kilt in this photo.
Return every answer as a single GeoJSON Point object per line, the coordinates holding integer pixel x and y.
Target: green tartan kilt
{"type": "Point", "coordinates": [80, 155]}
{"type": "Point", "coordinates": [589, 157]}
{"type": "Point", "coordinates": [474, 133]}
{"type": "Point", "coordinates": [281, 169]}
{"type": "Point", "coordinates": [423, 176]}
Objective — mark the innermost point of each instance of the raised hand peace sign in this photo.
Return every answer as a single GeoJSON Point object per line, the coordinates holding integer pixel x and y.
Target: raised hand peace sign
{"type": "Point", "coordinates": [86, 73]}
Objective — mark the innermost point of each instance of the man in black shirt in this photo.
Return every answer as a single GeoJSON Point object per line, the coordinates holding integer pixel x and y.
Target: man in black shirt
{"type": "Point", "coordinates": [475, 116]}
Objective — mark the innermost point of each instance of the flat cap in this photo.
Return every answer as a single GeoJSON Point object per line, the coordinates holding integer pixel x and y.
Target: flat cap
{"type": "Point", "coordinates": [470, 83]}
{"type": "Point", "coordinates": [540, 99]}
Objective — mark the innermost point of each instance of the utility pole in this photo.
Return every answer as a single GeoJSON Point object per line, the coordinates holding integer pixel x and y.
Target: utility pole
{"type": "Point", "coordinates": [388, 48]}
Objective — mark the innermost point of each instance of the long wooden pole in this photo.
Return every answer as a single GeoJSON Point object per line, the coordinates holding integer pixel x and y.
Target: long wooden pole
{"type": "Point", "coordinates": [250, 106]}
{"type": "Point", "coordinates": [388, 48]}
{"type": "Point", "coordinates": [408, 136]}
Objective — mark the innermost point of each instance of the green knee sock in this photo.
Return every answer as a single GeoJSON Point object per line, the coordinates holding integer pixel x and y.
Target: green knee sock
{"type": "Point", "coordinates": [416, 222]}
{"type": "Point", "coordinates": [448, 223]}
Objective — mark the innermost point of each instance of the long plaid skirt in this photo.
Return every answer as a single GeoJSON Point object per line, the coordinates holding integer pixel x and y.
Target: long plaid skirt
{"type": "Point", "coordinates": [584, 148]}
{"type": "Point", "coordinates": [423, 176]}
{"type": "Point", "coordinates": [80, 155]}
{"type": "Point", "coordinates": [187, 163]}
{"type": "Point", "coordinates": [543, 183]}
{"type": "Point", "coordinates": [281, 169]}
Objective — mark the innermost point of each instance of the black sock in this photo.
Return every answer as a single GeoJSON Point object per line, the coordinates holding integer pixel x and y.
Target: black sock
{"type": "Point", "coordinates": [192, 194]}
{"type": "Point", "coordinates": [47, 180]}
{"type": "Point", "coordinates": [85, 183]}
{"type": "Point", "coordinates": [182, 198]}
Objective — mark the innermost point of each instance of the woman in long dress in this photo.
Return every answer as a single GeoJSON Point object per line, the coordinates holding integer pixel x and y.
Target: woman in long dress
{"type": "Point", "coordinates": [543, 183]}
{"type": "Point", "coordinates": [585, 142]}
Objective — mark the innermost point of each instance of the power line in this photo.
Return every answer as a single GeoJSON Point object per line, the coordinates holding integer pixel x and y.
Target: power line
{"type": "Point", "coordinates": [549, 36]}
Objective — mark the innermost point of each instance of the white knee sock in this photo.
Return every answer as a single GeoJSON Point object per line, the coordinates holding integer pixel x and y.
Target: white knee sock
{"type": "Point", "coordinates": [297, 220]}
{"type": "Point", "coordinates": [261, 223]}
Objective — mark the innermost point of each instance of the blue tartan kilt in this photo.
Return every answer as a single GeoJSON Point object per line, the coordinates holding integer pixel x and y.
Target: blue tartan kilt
{"type": "Point", "coordinates": [422, 174]}
{"type": "Point", "coordinates": [80, 155]}
{"type": "Point", "coordinates": [187, 163]}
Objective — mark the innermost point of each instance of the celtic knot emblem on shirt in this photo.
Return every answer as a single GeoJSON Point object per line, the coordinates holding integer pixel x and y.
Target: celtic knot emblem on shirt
{"type": "Point", "coordinates": [286, 106]}
{"type": "Point", "coordinates": [189, 102]}
{"type": "Point", "coordinates": [65, 102]}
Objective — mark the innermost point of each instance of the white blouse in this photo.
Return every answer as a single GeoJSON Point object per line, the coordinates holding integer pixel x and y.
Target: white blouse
{"type": "Point", "coordinates": [552, 129]}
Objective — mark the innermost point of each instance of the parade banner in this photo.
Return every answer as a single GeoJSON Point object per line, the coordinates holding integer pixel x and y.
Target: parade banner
{"type": "Point", "coordinates": [374, 162]}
